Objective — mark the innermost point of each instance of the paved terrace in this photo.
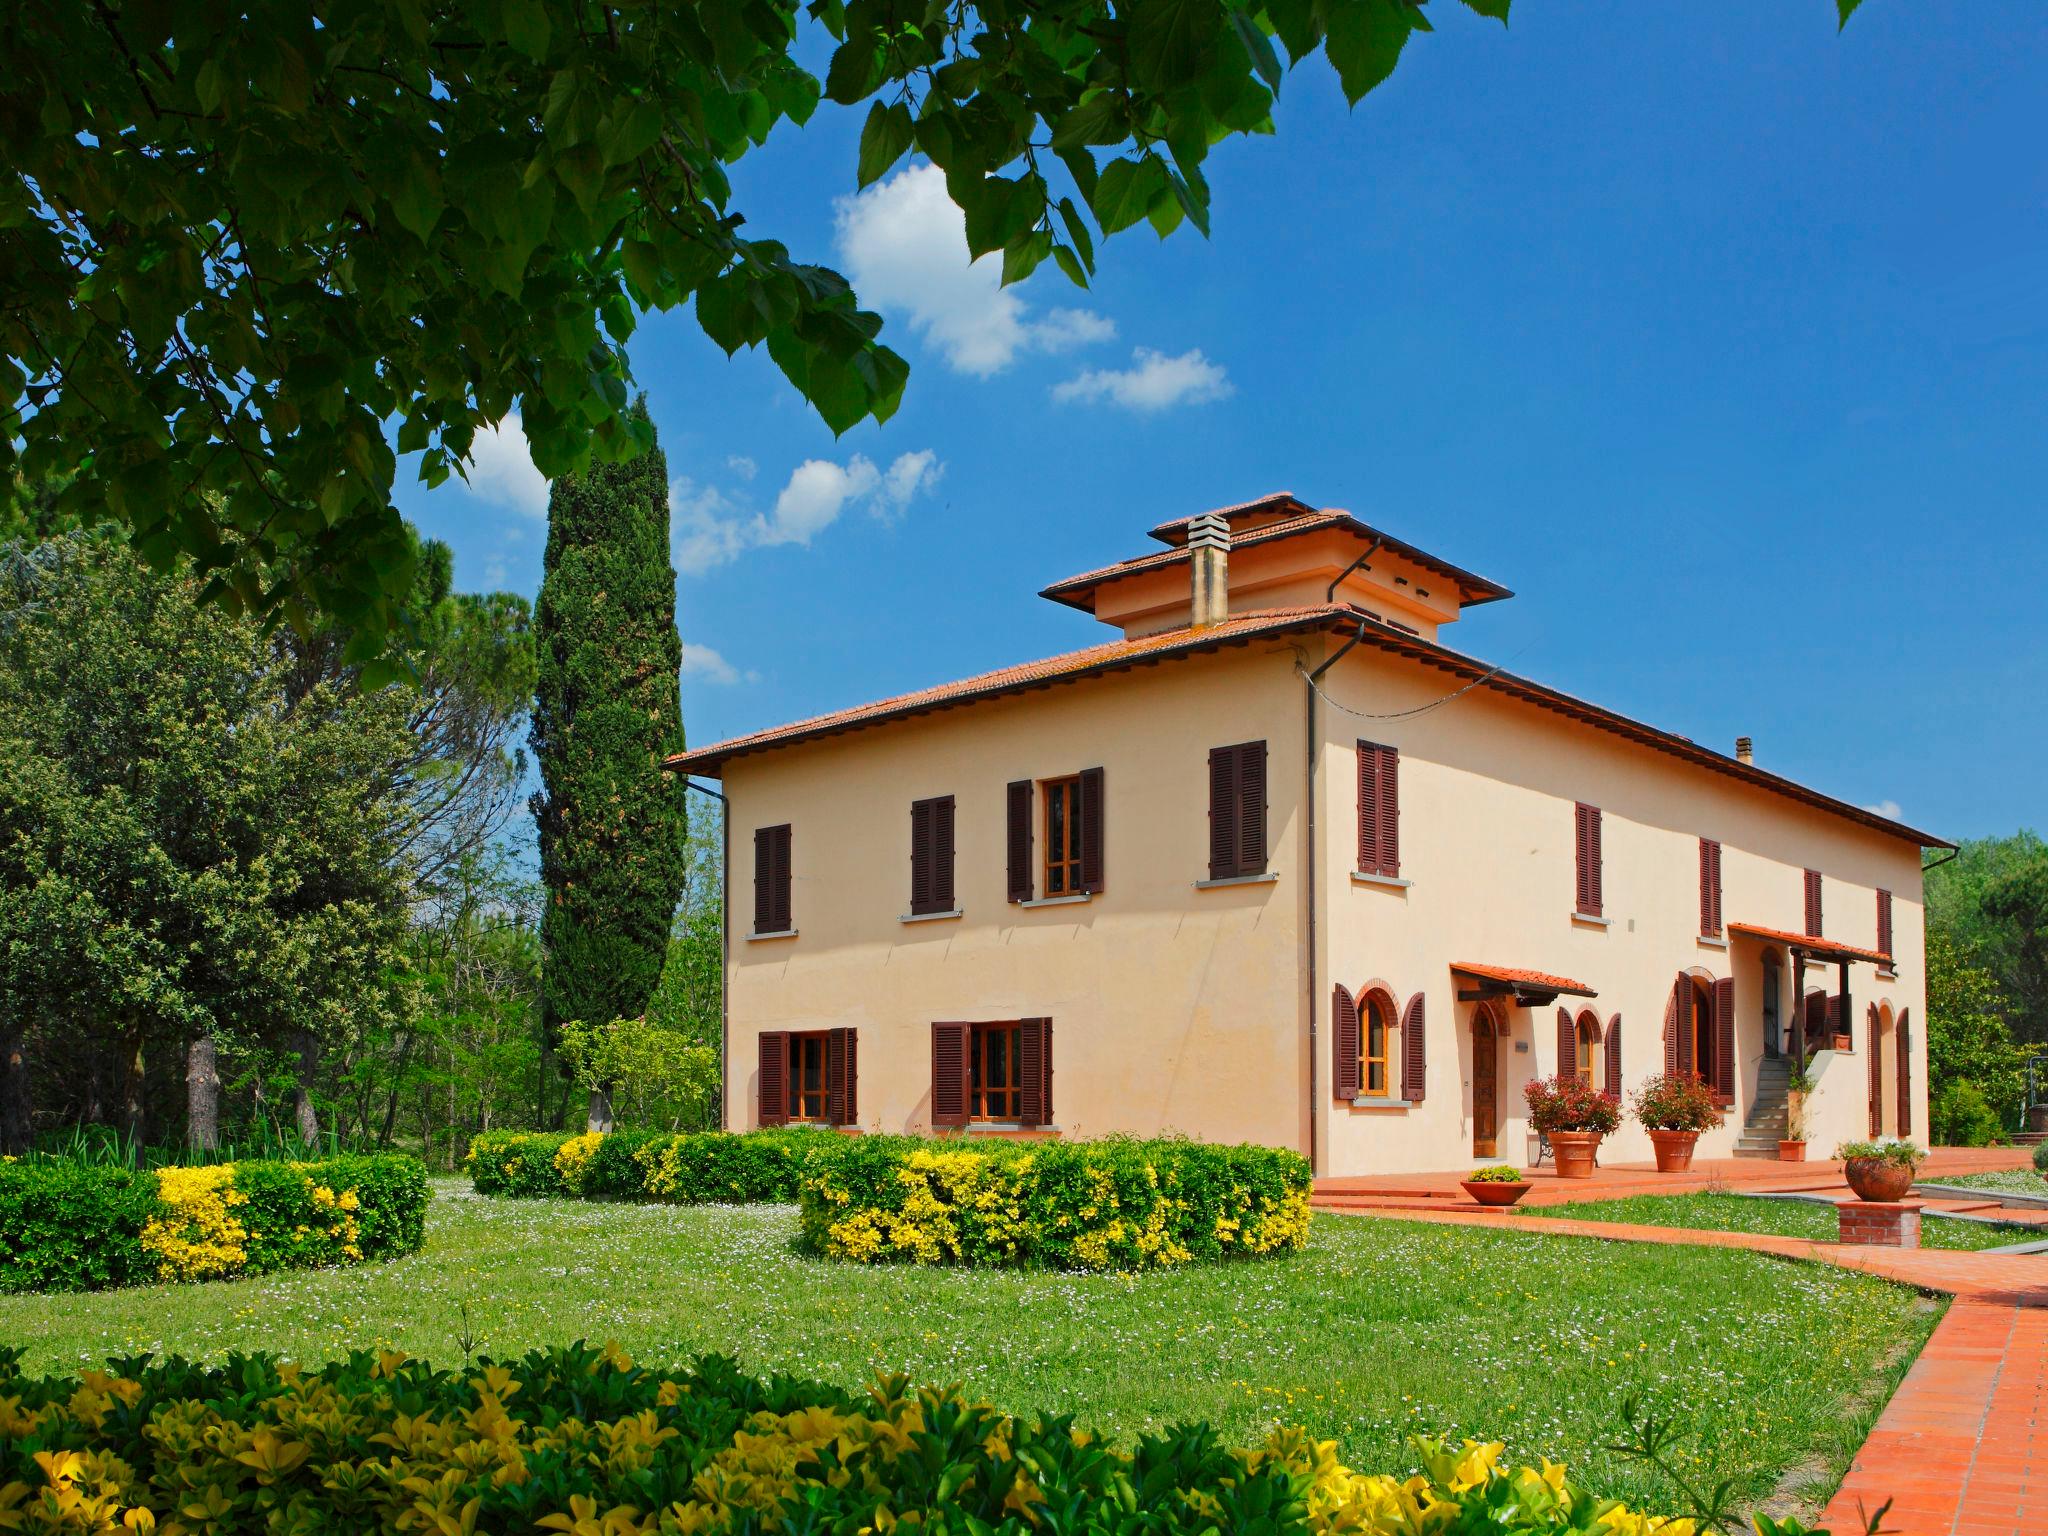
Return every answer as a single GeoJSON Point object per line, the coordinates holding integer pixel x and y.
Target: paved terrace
{"type": "Point", "coordinates": [1962, 1448]}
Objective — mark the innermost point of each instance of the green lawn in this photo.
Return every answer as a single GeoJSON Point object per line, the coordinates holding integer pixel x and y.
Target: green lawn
{"type": "Point", "coordinates": [1784, 1218]}
{"type": "Point", "coordinates": [1380, 1329]}
{"type": "Point", "coordinates": [2013, 1181]}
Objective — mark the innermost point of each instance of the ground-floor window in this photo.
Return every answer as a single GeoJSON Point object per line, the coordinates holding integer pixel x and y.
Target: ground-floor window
{"type": "Point", "coordinates": [807, 1097]}
{"type": "Point", "coordinates": [1372, 1044]}
{"type": "Point", "coordinates": [995, 1072]}
{"type": "Point", "coordinates": [1588, 1055]}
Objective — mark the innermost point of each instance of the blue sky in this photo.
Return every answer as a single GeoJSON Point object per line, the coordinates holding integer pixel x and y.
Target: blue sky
{"type": "Point", "coordinates": [1721, 339]}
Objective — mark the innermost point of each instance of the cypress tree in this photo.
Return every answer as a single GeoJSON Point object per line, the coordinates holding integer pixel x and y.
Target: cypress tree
{"type": "Point", "coordinates": [613, 855]}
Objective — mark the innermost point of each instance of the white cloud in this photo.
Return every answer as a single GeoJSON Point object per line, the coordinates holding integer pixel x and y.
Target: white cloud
{"type": "Point", "coordinates": [500, 469]}
{"type": "Point", "coordinates": [1891, 810]}
{"type": "Point", "coordinates": [702, 661]}
{"type": "Point", "coordinates": [904, 245]}
{"type": "Point", "coordinates": [1153, 382]}
{"type": "Point", "coordinates": [742, 466]}
{"type": "Point", "coordinates": [712, 529]}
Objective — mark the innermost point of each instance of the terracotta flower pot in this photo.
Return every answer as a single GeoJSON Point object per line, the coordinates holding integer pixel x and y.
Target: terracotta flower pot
{"type": "Point", "coordinates": [1492, 1193]}
{"type": "Point", "coordinates": [1875, 1179]}
{"type": "Point", "coordinates": [1791, 1151]}
{"type": "Point", "coordinates": [1674, 1149]}
{"type": "Point", "coordinates": [1575, 1151]}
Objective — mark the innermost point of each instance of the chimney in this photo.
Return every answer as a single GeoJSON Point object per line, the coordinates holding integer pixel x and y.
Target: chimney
{"type": "Point", "coordinates": [1745, 750]}
{"type": "Point", "coordinates": [1209, 570]}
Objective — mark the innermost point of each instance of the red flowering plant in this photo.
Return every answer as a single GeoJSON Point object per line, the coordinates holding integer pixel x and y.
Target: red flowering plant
{"type": "Point", "coordinates": [1676, 1101]}
{"type": "Point", "coordinates": [1567, 1102]}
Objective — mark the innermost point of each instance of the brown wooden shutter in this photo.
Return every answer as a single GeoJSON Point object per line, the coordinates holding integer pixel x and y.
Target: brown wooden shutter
{"type": "Point", "coordinates": [921, 861]}
{"type": "Point", "coordinates": [1034, 1072]}
{"type": "Point", "coordinates": [1672, 1005]}
{"type": "Point", "coordinates": [1018, 800]}
{"type": "Point", "coordinates": [943, 896]}
{"type": "Point", "coordinates": [1414, 1051]}
{"type": "Point", "coordinates": [1368, 808]}
{"type": "Point", "coordinates": [1724, 1038]}
{"type": "Point", "coordinates": [1567, 1043]}
{"type": "Point", "coordinates": [1710, 888]}
{"type": "Point", "coordinates": [1884, 923]}
{"type": "Point", "coordinates": [1580, 893]}
{"type": "Point", "coordinates": [1223, 807]}
{"type": "Point", "coordinates": [1344, 1028]}
{"type": "Point", "coordinates": [1688, 1026]}
{"type": "Point", "coordinates": [1902, 1033]}
{"type": "Point", "coordinates": [1390, 812]}
{"type": "Point", "coordinates": [1813, 912]}
{"type": "Point", "coordinates": [1817, 1015]}
{"type": "Point", "coordinates": [1873, 1072]}
{"type": "Point", "coordinates": [949, 1074]}
{"type": "Point", "coordinates": [772, 913]}
{"type": "Point", "coordinates": [1614, 1056]}
{"type": "Point", "coordinates": [1251, 809]}
{"type": "Point", "coordinates": [1586, 825]}
{"type": "Point", "coordinates": [1092, 830]}
{"type": "Point", "coordinates": [772, 1085]}
{"type": "Point", "coordinates": [842, 1076]}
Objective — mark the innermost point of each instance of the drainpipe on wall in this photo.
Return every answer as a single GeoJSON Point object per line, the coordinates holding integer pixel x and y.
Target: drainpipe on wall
{"type": "Point", "coordinates": [724, 937]}
{"type": "Point", "coordinates": [1308, 864]}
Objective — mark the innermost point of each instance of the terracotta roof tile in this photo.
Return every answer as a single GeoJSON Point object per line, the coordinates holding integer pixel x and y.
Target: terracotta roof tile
{"type": "Point", "coordinates": [1809, 941]}
{"type": "Point", "coordinates": [1540, 980]}
{"type": "Point", "coordinates": [1071, 664]}
{"type": "Point", "coordinates": [1060, 590]}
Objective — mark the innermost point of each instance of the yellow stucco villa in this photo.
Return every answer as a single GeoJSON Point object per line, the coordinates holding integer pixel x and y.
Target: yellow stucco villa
{"type": "Point", "coordinates": [1277, 865]}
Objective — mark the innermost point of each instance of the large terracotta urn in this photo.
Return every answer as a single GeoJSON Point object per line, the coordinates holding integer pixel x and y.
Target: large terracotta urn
{"type": "Point", "coordinates": [1875, 1179]}
{"type": "Point", "coordinates": [1674, 1149]}
{"type": "Point", "coordinates": [1574, 1151]}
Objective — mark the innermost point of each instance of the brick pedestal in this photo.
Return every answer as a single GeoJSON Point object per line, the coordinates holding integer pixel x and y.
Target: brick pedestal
{"type": "Point", "coordinates": [1880, 1223]}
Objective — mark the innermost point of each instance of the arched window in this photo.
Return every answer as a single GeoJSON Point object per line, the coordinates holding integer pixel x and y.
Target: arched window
{"type": "Point", "coordinates": [1375, 1044]}
{"type": "Point", "coordinates": [1588, 1058]}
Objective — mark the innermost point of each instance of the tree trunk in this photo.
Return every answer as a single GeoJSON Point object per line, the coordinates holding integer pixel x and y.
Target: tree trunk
{"type": "Point", "coordinates": [14, 1096]}
{"type": "Point", "coordinates": [132, 1121]}
{"type": "Point", "coordinates": [599, 1118]}
{"type": "Point", "coordinates": [307, 1048]}
{"type": "Point", "coordinates": [202, 1094]}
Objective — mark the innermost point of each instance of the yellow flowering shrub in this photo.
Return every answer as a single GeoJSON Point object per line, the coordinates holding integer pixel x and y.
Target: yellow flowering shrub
{"type": "Point", "coordinates": [196, 1236]}
{"type": "Point", "coordinates": [573, 1158]}
{"type": "Point", "coordinates": [582, 1442]}
{"type": "Point", "coordinates": [1090, 1205]}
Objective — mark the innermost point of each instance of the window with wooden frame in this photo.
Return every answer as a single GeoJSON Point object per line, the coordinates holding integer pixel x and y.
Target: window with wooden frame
{"type": "Point", "coordinates": [772, 911]}
{"type": "Point", "coordinates": [1237, 810]}
{"type": "Point", "coordinates": [1374, 1044]}
{"type": "Point", "coordinates": [1062, 835]}
{"type": "Point", "coordinates": [1813, 912]}
{"type": "Point", "coordinates": [995, 1072]}
{"type": "Point", "coordinates": [1884, 923]}
{"type": "Point", "coordinates": [1379, 810]}
{"type": "Point", "coordinates": [807, 1097]}
{"type": "Point", "coordinates": [1588, 1064]}
{"type": "Point", "coordinates": [1710, 888]}
{"type": "Point", "coordinates": [931, 856]}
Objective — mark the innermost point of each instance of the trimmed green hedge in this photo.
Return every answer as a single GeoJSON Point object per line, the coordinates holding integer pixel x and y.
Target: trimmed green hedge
{"type": "Point", "coordinates": [1116, 1203]}
{"type": "Point", "coordinates": [1109, 1204]}
{"type": "Point", "coordinates": [70, 1226]}
{"type": "Point", "coordinates": [584, 1443]}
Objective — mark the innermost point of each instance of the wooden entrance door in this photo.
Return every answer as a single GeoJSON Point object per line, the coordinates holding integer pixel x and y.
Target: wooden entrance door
{"type": "Point", "coordinates": [1485, 1086]}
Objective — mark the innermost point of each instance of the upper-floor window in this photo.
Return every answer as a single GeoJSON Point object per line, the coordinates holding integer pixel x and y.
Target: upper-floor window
{"type": "Point", "coordinates": [1884, 922]}
{"type": "Point", "coordinates": [1058, 851]}
{"type": "Point", "coordinates": [1586, 829]}
{"type": "Point", "coordinates": [1063, 818]}
{"type": "Point", "coordinates": [1379, 809]}
{"type": "Point", "coordinates": [1237, 810]}
{"type": "Point", "coordinates": [772, 912]}
{"type": "Point", "coordinates": [1710, 888]}
{"type": "Point", "coordinates": [931, 855]}
{"type": "Point", "coordinates": [1813, 912]}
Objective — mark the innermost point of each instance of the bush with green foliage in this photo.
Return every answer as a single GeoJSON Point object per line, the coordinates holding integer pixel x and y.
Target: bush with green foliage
{"type": "Point", "coordinates": [702, 1168]}
{"type": "Point", "coordinates": [68, 1226]}
{"type": "Point", "coordinates": [2041, 1158]}
{"type": "Point", "coordinates": [1113, 1204]}
{"type": "Point", "coordinates": [577, 1440]}
{"type": "Point", "coordinates": [1961, 1117]}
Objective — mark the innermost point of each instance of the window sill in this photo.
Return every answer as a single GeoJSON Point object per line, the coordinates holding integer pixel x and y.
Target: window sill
{"type": "Point", "coordinates": [1079, 898]}
{"type": "Point", "coordinates": [1269, 878]}
{"type": "Point", "coordinates": [1883, 975]}
{"type": "Point", "coordinates": [930, 917]}
{"type": "Point", "coordinates": [780, 933]}
{"type": "Point", "coordinates": [1380, 1101]}
{"type": "Point", "coordinates": [1390, 882]}
{"type": "Point", "coordinates": [1588, 920]}
{"type": "Point", "coordinates": [1708, 941]}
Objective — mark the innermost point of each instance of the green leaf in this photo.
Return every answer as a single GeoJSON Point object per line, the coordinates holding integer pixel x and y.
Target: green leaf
{"type": "Point", "coordinates": [1098, 120]}
{"type": "Point", "coordinates": [417, 197]}
{"type": "Point", "coordinates": [1259, 47]}
{"type": "Point", "coordinates": [1077, 231]}
{"type": "Point", "coordinates": [856, 70]}
{"type": "Point", "coordinates": [1070, 264]}
{"type": "Point", "coordinates": [884, 138]}
{"type": "Point", "coordinates": [631, 133]}
{"type": "Point", "coordinates": [1497, 10]}
{"type": "Point", "coordinates": [1365, 41]}
{"type": "Point", "coordinates": [1023, 257]}
{"type": "Point", "coordinates": [1845, 9]}
{"type": "Point", "coordinates": [526, 26]}
{"type": "Point", "coordinates": [1126, 192]}
{"type": "Point", "coordinates": [1168, 40]}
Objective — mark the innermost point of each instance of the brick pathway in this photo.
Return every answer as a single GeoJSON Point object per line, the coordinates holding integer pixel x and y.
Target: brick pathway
{"type": "Point", "coordinates": [1962, 1448]}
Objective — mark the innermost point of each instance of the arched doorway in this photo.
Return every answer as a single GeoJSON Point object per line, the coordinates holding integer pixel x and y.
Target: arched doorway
{"type": "Point", "coordinates": [1487, 1029]}
{"type": "Point", "coordinates": [1586, 1037]}
{"type": "Point", "coordinates": [1879, 1022]}
{"type": "Point", "coordinates": [1697, 1037]}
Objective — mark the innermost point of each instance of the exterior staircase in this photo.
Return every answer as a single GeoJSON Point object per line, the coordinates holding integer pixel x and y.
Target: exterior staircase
{"type": "Point", "coordinates": [1765, 1127]}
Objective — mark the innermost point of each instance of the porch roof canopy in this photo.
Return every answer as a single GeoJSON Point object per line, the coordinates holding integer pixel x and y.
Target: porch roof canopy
{"type": "Point", "coordinates": [1529, 989]}
{"type": "Point", "coordinates": [1811, 945]}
